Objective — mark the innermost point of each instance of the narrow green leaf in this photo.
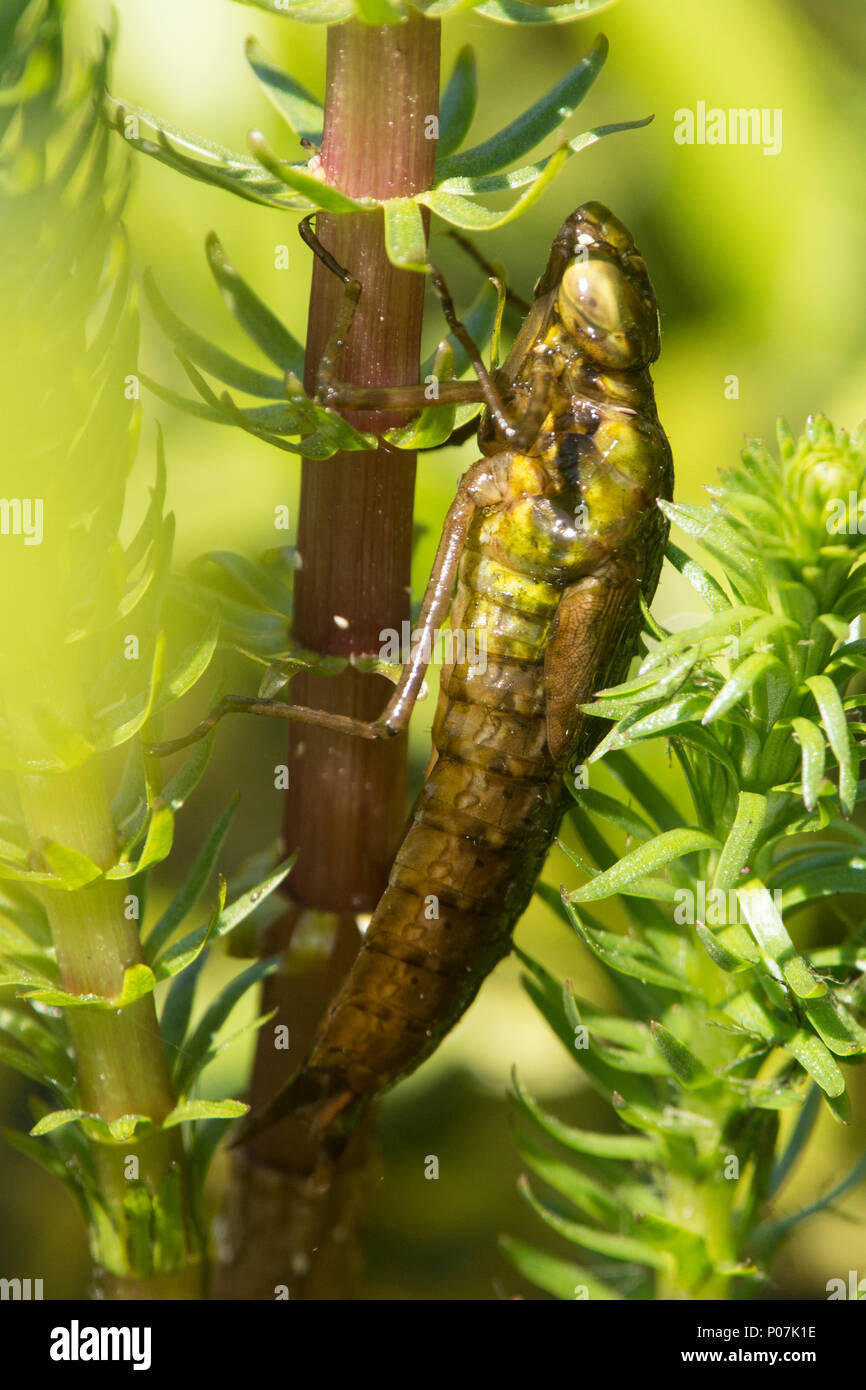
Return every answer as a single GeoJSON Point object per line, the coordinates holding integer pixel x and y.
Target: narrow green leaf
{"type": "Point", "coordinates": [303, 113]}
{"type": "Point", "coordinates": [826, 883]}
{"type": "Point", "coordinates": [651, 683]}
{"type": "Point", "coordinates": [72, 869]}
{"type": "Point", "coordinates": [186, 951]}
{"type": "Point", "coordinates": [256, 319]}
{"type": "Point", "coordinates": [55, 1119]}
{"type": "Point", "coordinates": [722, 541]}
{"type": "Point", "coordinates": [649, 795]}
{"type": "Point", "coordinates": [832, 712]}
{"type": "Point", "coordinates": [25, 1029]}
{"type": "Point", "coordinates": [193, 885]}
{"type": "Point", "coordinates": [776, 945]}
{"type": "Point", "coordinates": [815, 1058]}
{"type": "Point", "coordinates": [645, 859]}
{"type": "Point", "coordinates": [148, 133]}
{"type": "Point", "coordinates": [598, 804]}
{"type": "Point", "coordinates": [187, 1110]}
{"type": "Point", "coordinates": [702, 582]}
{"type": "Point", "coordinates": [546, 995]}
{"type": "Point", "coordinates": [688, 1068]}
{"type": "Point", "coordinates": [192, 664]}
{"type": "Point", "coordinates": [742, 682]}
{"type": "Point", "coordinates": [668, 1120]}
{"type": "Point", "coordinates": [49, 1161]}
{"type": "Point", "coordinates": [462, 212]}
{"type": "Point", "coordinates": [198, 409]}
{"type": "Point", "coordinates": [198, 1047]}
{"type": "Point", "coordinates": [744, 832]}
{"type": "Point", "coordinates": [177, 1010]}
{"type": "Point", "coordinates": [405, 240]}
{"type": "Point", "coordinates": [768, 1095]}
{"type": "Point", "coordinates": [26, 913]}
{"type": "Point", "coordinates": [836, 1026]}
{"type": "Point", "coordinates": [613, 1146]}
{"type": "Point", "coordinates": [721, 951]}
{"type": "Point", "coordinates": [69, 748]}
{"type": "Point", "coordinates": [529, 129]}
{"type": "Point", "coordinates": [458, 101]}
{"type": "Point", "coordinates": [22, 1062]}
{"type": "Point", "coordinates": [138, 980]}
{"type": "Point", "coordinates": [512, 179]}
{"type": "Point", "coordinates": [241, 908]}
{"type": "Point", "coordinates": [211, 358]}
{"type": "Point", "coordinates": [250, 183]}
{"type": "Point", "coordinates": [682, 710]}
{"type": "Point", "coordinates": [157, 844]}
{"type": "Point", "coordinates": [646, 967]}
{"type": "Point", "coordinates": [248, 578]}
{"type": "Point", "coordinates": [614, 1245]}
{"type": "Point", "coordinates": [185, 781]}
{"type": "Point", "coordinates": [811, 742]}
{"type": "Point", "coordinates": [434, 425]}
{"type": "Point", "coordinates": [577, 1187]}
{"type": "Point", "coordinates": [555, 1276]}
{"type": "Point", "coordinates": [723, 626]}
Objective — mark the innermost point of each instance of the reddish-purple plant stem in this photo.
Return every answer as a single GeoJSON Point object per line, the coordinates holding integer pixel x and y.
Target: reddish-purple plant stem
{"type": "Point", "coordinates": [346, 803]}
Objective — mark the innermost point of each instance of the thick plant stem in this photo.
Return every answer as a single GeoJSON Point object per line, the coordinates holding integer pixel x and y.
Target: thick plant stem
{"type": "Point", "coordinates": [120, 1060]}
{"type": "Point", "coordinates": [346, 804]}
{"type": "Point", "coordinates": [703, 1207]}
{"type": "Point", "coordinates": [347, 800]}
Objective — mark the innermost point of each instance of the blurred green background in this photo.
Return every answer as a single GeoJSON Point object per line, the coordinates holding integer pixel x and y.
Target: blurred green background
{"type": "Point", "coordinates": [757, 263]}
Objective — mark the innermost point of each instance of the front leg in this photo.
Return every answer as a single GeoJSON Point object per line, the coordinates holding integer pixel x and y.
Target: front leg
{"type": "Point", "coordinates": [337, 394]}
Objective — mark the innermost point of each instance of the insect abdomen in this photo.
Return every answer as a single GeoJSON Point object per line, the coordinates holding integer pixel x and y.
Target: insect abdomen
{"type": "Point", "coordinates": [467, 865]}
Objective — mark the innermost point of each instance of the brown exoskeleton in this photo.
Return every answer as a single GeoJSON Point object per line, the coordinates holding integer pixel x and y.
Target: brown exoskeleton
{"type": "Point", "coordinates": [552, 540]}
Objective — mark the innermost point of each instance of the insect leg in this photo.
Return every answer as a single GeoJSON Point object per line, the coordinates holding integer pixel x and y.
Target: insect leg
{"type": "Point", "coordinates": [489, 393]}
{"type": "Point", "coordinates": [395, 716]}
{"type": "Point", "coordinates": [342, 324]}
{"type": "Point", "coordinates": [515, 300]}
{"type": "Point", "coordinates": [333, 392]}
{"type": "Point", "coordinates": [525, 432]}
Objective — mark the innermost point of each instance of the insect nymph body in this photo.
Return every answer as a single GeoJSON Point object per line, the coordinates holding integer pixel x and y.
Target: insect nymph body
{"type": "Point", "coordinates": [563, 535]}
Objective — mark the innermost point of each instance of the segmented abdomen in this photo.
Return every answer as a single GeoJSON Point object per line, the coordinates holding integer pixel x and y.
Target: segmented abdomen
{"type": "Point", "coordinates": [467, 866]}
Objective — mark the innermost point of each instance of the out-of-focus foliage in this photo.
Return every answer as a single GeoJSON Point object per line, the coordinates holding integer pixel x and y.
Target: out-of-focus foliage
{"type": "Point", "coordinates": [84, 664]}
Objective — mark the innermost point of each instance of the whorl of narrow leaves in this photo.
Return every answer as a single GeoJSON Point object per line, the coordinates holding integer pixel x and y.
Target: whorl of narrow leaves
{"type": "Point", "coordinates": [729, 1025]}
{"type": "Point", "coordinates": [461, 174]}
{"type": "Point", "coordinates": [286, 417]}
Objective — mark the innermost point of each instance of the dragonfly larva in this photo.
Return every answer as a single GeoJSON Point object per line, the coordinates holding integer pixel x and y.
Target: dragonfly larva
{"type": "Point", "coordinates": [552, 538]}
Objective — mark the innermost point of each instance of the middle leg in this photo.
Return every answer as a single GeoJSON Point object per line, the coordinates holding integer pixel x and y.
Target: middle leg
{"type": "Point", "coordinates": [395, 716]}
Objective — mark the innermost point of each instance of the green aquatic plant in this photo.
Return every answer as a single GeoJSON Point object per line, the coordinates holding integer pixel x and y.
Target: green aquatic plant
{"type": "Point", "coordinates": [731, 1036]}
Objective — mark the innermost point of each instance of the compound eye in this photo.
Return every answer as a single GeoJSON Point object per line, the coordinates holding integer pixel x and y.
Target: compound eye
{"type": "Point", "coordinates": [591, 291]}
